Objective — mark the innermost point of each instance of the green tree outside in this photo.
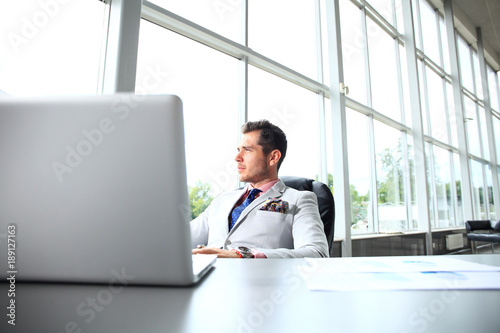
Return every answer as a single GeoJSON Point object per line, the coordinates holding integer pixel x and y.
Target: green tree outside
{"type": "Point", "coordinates": [199, 198]}
{"type": "Point", "coordinates": [359, 203]}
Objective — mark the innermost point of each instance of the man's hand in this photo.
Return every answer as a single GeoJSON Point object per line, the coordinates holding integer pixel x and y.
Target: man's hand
{"type": "Point", "coordinates": [219, 252]}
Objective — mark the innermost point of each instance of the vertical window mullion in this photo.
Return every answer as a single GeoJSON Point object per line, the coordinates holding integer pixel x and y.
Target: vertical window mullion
{"type": "Point", "coordinates": [459, 110]}
{"type": "Point", "coordinates": [433, 186]}
{"type": "Point", "coordinates": [404, 139]}
{"type": "Point", "coordinates": [369, 100]}
{"type": "Point", "coordinates": [447, 114]}
{"type": "Point", "coordinates": [322, 172]}
{"type": "Point", "coordinates": [373, 176]}
{"type": "Point", "coordinates": [489, 123]}
{"type": "Point", "coordinates": [417, 124]}
{"type": "Point", "coordinates": [339, 129]}
{"type": "Point", "coordinates": [400, 82]}
{"type": "Point", "coordinates": [486, 195]}
{"type": "Point", "coordinates": [366, 57]}
{"type": "Point", "coordinates": [243, 80]}
{"type": "Point", "coordinates": [407, 180]}
{"type": "Point", "coordinates": [440, 41]}
{"type": "Point", "coordinates": [122, 46]}
{"type": "Point", "coordinates": [426, 108]}
{"type": "Point", "coordinates": [453, 188]}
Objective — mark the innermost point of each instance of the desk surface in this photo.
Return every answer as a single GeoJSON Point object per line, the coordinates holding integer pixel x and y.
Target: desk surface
{"type": "Point", "coordinates": [250, 296]}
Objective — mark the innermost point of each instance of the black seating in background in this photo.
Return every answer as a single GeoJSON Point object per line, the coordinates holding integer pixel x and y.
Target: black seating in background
{"type": "Point", "coordinates": [483, 231]}
{"type": "Point", "coordinates": [326, 203]}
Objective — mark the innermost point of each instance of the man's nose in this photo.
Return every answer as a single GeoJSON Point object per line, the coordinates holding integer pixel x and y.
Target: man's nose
{"type": "Point", "coordinates": [238, 158]}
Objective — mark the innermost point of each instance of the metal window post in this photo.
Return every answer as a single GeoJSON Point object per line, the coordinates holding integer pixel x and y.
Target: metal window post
{"type": "Point", "coordinates": [339, 127]}
{"type": "Point", "coordinates": [459, 114]}
{"type": "Point", "coordinates": [489, 122]}
{"type": "Point", "coordinates": [121, 46]}
{"type": "Point", "coordinates": [418, 130]}
{"type": "Point", "coordinates": [243, 81]}
{"type": "Point", "coordinates": [323, 167]}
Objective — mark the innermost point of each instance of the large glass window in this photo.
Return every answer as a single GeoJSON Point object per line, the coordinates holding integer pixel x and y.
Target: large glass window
{"type": "Point", "coordinates": [406, 87]}
{"type": "Point", "coordinates": [444, 47]}
{"type": "Point", "coordinates": [424, 98]}
{"type": "Point", "coordinates": [207, 82]}
{"type": "Point", "coordinates": [437, 108]}
{"type": "Point", "coordinates": [222, 17]}
{"type": "Point", "coordinates": [413, 210]}
{"type": "Point", "coordinates": [390, 183]}
{"type": "Point", "coordinates": [417, 24]}
{"type": "Point", "coordinates": [384, 8]}
{"type": "Point", "coordinates": [477, 76]}
{"type": "Point", "coordinates": [353, 51]}
{"type": "Point", "coordinates": [478, 192]}
{"type": "Point", "coordinates": [491, 196]}
{"type": "Point", "coordinates": [358, 143]}
{"type": "Point", "coordinates": [444, 190]}
{"type": "Point", "coordinates": [497, 214]}
{"type": "Point", "coordinates": [493, 88]}
{"type": "Point", "coordinates": [472, 126]}
{"type": "Point", "coordinates": [383, 71]}
{"type": "Point", "coordinates": [51, 48]}
{"type": "Point", "coordinates": [430, 32]}
{"type": "Point", "coordinates": [273, 31]}
{"type": "Point", "coordinates": [295, 111]}
{"type": "Point", "coordinates": [465, 65]}
{"type": "Point", "coordinates": [452, 115]}
{"type": "Point", "coordinates": [483, 133]}
{"type": "Point", "coordinates": [496, 134]}
{"type": "Point", "coordinates": [458, 187]}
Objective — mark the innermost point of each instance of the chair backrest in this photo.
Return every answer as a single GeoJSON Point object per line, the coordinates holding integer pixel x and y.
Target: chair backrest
{"type": "Point", "coordinates": [478, 225]}
{"type": "Point", "coordinates": [326, 203]}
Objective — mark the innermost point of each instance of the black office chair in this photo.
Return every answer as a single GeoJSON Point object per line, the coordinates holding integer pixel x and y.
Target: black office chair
{"type": "Point", "coordinates": [326, 202]}
{"type": "Point", "coordinates": [483, 231]}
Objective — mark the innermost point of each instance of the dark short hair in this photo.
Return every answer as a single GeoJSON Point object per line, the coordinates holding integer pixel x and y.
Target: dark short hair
{"type": "Point", "coordinates": [271, 137]}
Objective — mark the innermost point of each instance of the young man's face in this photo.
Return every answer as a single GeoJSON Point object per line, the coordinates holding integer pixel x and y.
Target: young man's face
{"type": "Point", "coordinates": [253, 165]}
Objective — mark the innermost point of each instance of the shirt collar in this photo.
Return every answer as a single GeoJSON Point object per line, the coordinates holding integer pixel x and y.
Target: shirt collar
{"type": "Point", "coordinates": [264, 188]}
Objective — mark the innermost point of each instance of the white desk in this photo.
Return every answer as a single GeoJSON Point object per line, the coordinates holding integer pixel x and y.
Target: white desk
{"type": "Point", "coordinates": [250, 296]}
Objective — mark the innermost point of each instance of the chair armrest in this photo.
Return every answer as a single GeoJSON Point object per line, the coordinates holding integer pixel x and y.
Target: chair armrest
{"type": "Point", "coordinates": [495, 225]}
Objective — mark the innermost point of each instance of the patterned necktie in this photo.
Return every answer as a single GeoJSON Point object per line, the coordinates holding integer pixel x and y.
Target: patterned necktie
{"type": "Point", "coordinates": [237, 211]}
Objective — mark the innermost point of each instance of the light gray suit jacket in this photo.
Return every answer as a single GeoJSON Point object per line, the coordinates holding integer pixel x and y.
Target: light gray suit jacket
{"type": "Point", "coordinates": [299, 233]}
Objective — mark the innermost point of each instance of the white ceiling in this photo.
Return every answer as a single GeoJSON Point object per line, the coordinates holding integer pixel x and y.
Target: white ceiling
{"type": "Point", "coordinates": [484, 14]}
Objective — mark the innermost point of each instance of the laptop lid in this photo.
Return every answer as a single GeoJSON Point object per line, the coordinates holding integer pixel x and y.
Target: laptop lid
{"type": "Point", "coordinates": [94, 187]}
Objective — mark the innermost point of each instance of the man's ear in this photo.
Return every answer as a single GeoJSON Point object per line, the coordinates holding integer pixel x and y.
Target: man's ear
{"type": "Point", "coordinates": [274, 157]}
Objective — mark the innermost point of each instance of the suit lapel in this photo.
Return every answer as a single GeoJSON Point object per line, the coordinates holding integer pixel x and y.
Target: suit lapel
{"type": "Point", "coordinates": [274, 192]}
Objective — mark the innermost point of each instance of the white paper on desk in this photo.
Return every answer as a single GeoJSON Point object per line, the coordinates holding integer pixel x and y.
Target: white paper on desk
{"type": "Point", "coordinates": [403, 281]}
{"type": "Point", "coordinates": [398, 273]}
{"type": "Point", "coordinates": [400, 264]}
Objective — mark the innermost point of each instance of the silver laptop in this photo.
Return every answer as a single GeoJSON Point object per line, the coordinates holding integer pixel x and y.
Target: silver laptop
{"type": "Point", "coordinates": [93, 189]}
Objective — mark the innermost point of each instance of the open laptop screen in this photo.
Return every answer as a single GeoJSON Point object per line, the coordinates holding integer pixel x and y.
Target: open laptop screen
{"type": "Point", "coordinates": [94, 186]}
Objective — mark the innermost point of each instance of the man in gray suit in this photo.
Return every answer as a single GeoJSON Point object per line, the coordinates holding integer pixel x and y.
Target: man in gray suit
{"type": "Point", "coordinates": [266, 219]}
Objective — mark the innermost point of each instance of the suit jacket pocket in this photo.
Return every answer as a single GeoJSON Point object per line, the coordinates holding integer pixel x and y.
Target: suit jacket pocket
{"type": "Point", "coordinates": [278, 228]}
{"type": "Point", "coordinates": [269, 215]}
